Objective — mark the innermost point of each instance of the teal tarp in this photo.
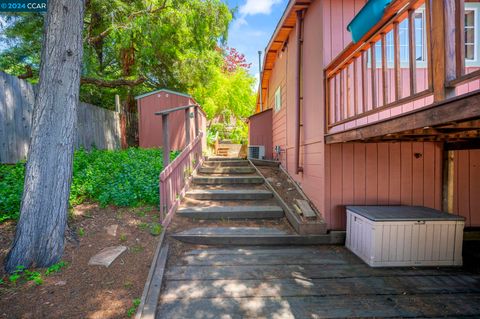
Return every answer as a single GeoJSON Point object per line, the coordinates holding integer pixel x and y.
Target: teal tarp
{"type": "Point", "coordinates": [370, 14]}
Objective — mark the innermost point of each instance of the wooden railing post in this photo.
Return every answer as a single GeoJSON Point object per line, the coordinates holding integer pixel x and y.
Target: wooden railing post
{"type": "Point", "coordinates": [187, 127]}
{"type": "Point", "coordinates": [443, 63]}
{"type": "Point", "coordinates": [166, 141]}
{"type": "Point", "coordinates": [197, 128]}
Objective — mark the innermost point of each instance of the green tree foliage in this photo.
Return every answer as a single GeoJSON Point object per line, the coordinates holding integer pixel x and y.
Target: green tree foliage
{"type": "Point", "coordinates": [130, 46]}
{"type": "Point", "coordinates": [228, 98]}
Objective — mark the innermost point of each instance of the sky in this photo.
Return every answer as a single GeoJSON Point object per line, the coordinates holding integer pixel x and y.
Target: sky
{"type": "Point", "coordinates": [254, 24]}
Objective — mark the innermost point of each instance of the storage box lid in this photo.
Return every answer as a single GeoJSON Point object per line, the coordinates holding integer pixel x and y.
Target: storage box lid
{"type": "Point", "coordinates": [402, 213]}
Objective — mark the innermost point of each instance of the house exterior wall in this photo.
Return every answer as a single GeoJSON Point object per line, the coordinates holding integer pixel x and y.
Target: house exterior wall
{"type": "Point", "coordinates": [150, 125]}
{"type": "Point", "coordinates": [260, 131]}
{"type": "Point", "coordinates": [406, 173]}
{"type": "Point", "coordinates": [354, 173]}
{"type": "Point", "coordinates": [335, 175]}
{"type": "Point", "coordinates": [466, 186]}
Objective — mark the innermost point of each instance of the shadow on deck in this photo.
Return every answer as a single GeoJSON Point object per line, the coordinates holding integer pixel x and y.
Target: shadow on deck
{"type": "Point", "coordinates": [309, 282]}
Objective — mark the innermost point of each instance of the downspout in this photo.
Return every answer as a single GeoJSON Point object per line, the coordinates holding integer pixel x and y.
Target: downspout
{"type": "Point", "coordinates": [298, 98]}
{"type": "Point", "coordinates": [260, 77]}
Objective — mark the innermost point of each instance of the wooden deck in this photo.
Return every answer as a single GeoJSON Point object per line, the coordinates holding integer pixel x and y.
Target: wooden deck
{"type": "Point", "coordinates": [309, 282]}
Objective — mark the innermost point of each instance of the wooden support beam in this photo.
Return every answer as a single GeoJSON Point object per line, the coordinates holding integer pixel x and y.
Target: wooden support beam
{"type": "Point", "coordinates": [187, 127]}
{"type": "Point", "coordinates": [450, 35]}
{"type": "Point", "coordinates": [460, 37]}
{"type": "Point", "coordinates": [464, 145]}
{"type": "Point", "coordinates": [428, 27]}
{"type": "Point", "coordinates": [447, 181]}
{"type": "Point", "coordinates": [441, 63]}
{"type": "Point", "coordinates": [166, 140]}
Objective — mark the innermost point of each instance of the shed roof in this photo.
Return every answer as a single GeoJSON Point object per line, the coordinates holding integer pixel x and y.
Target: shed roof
{"type": "Point", "coordinates": [277, 41]}
{"type": "Point", "coordinates": [164, 90]}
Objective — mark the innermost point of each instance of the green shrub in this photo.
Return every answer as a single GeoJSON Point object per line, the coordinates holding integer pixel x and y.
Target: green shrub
{"type": "Point", "coordinates": [55, 268]}
{"type": "Point", "coordinates": [122, 178]}
{"type": "Point", "coordinates": [11, 189]}
{"type": "Point", "coordinates": [155, 229]}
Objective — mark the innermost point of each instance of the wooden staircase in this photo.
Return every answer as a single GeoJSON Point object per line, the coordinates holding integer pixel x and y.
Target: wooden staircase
{"type": "Point", "coordinates": [227, 189]}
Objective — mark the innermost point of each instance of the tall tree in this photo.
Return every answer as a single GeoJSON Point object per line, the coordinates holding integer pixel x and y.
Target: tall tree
{"type": "Point", "coordinates": [130, 46]}
{"type": "Point", "coordinates": [39, 237]}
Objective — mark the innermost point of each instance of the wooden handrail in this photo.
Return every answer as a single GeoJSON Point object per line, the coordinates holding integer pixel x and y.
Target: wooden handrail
{"type": "Point", "coordinates": [444, 59]}
{"type": "Point", "coordinates": [175, 109]}
{"type": "Point", "coordinates": [167, 171]}
{"type": "Point", "coordinates": [397, 10]}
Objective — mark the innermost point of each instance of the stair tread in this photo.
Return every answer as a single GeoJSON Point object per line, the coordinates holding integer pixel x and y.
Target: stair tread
{"type": "Point", "coordinates": [229, 191]}
{"type": "Point", "coordinates": [232, 209]}
{"type": "Point", "coordinates": [236, 231]}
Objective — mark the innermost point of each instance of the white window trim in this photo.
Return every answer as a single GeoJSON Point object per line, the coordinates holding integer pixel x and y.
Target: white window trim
{"type": "Point", "coordinates": [470, 7]}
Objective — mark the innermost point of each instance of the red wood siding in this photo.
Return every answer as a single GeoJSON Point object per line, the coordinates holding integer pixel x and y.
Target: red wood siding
{"type": "Point", "coordinates": [279, 120]}
{"type": "Point", "coordinates": [407, 173]}
{"type": "Point", "coordinates": [150, 125]}
{"type": "Point", "coordinates": [466, 200]}
{"type": "Point", "coordinates": [260, 131]}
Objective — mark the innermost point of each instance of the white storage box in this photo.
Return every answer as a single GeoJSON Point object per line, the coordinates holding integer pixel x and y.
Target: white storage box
{"type": "Point", "coordinates": [385, 236]}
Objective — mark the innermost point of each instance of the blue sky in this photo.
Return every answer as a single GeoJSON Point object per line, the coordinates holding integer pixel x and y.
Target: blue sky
{"type": "Point", "coordinates": [253, 26]}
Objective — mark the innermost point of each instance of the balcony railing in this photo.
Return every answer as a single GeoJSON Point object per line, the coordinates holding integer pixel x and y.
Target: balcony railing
{"type": "Point", "coordinates": [408, 58]}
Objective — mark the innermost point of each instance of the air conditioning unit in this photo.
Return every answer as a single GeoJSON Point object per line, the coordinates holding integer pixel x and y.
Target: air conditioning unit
{"type": "Point", "coordinates": [256, 151]}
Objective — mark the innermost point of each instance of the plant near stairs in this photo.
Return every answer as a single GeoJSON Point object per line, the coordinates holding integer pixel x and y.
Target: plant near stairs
{"type": "Point", "coordinates": [121, 177]}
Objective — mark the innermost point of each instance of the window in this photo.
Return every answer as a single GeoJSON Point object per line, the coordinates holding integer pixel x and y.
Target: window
{"type": "Point", "coordinates": [470, 43]}
{"type": "Point", "coordinates": [278, 99]}
{"type": "Point", "coordinates": [419, 24]}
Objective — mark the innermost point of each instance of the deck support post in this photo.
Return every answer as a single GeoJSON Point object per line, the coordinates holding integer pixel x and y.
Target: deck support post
{"type": "Point", "coordinates": [447, 183]}
{"type": "Point", "coordinates": [187, 127]}
{"type": "Point", "coordinates": [443, 63]}
{"type": "Point", "coordinates": [166, 141]}
{"type": "Point", "coordinates": [197, 127]}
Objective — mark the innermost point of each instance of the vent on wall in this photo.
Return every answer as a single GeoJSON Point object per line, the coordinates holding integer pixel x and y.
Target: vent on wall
{"type": "Point", "coordinates": [256, 151]}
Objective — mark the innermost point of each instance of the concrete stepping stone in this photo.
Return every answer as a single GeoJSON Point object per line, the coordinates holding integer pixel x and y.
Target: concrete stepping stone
{"type": "Point", "coordinates": [112, 230]}
{"type": "Point", "coordinates": [231, 212]}
{"type": "Point", "coordinates": [107, 256]}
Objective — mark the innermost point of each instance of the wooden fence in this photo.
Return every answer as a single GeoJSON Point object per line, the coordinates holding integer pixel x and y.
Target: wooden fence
{"type": "Point", "coordinates": [96, 127]}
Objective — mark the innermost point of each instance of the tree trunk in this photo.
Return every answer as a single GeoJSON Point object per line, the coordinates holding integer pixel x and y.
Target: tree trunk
{"type": "Point", "coordinates": [39, 238]}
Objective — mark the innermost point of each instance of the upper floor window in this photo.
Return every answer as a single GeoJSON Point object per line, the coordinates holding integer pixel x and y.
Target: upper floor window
{"type": "Point", "coordinates": [419, 24]}
{"type": "Point", "coordinates": [470, 36]}
{"type": "Point", "coordinates": [278, 99]}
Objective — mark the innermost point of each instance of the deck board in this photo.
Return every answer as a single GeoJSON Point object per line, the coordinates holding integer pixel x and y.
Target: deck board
{"type": "Point", "coordinates": [310, 282]}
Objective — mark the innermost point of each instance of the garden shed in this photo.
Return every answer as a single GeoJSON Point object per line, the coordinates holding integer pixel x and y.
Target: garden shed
{"type": "Point", "coordinates": [150, 125]}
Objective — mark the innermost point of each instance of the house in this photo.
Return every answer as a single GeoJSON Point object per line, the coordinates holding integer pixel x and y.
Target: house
{"type": "Point", "coordinates": [150, 125]}
{"type": "Point", "coordinates": [393, 118]}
